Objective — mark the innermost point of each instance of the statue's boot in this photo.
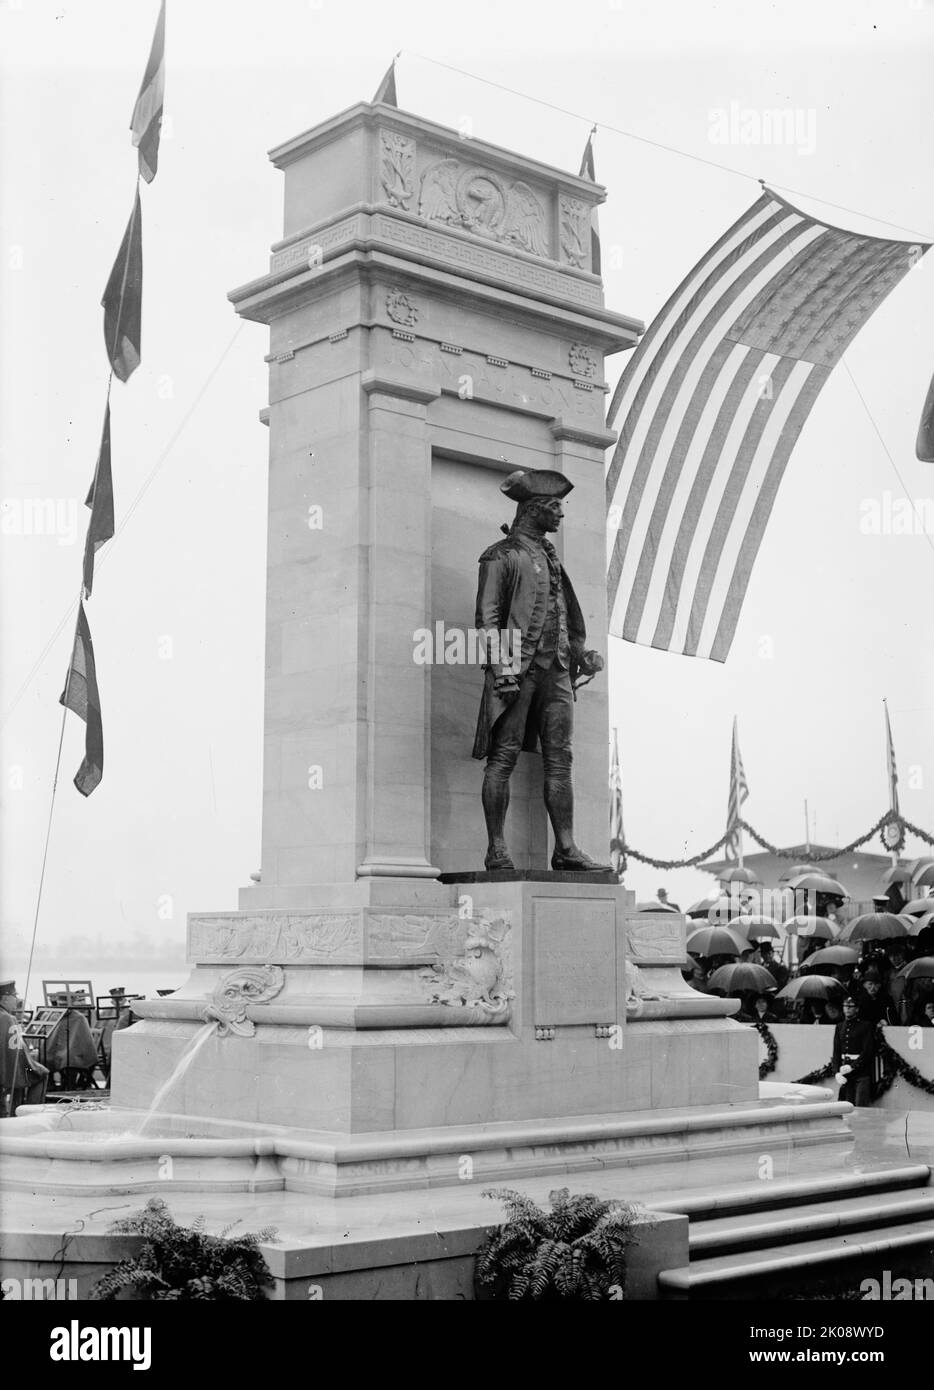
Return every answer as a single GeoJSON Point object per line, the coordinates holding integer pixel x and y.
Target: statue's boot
{"type": "Point", "coordinates": [497, 859]}
{"type": "Point", "coordinates": [574, 860]}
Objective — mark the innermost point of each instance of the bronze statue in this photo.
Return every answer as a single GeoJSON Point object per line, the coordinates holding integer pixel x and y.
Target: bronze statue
{"type": "Point", "coordinates": [530, 699]}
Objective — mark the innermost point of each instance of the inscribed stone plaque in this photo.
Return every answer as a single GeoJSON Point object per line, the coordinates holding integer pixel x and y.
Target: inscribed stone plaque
{"type": "Point", "coordinates": [575, 961]}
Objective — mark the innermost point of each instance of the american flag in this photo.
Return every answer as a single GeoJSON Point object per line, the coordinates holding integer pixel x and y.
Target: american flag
{"type": "Point", "coordinates": [617, 838]}
{"type": "Point", "coordinates": [739, 791]}
{"type": "Point", "coordinates": [711, 405]}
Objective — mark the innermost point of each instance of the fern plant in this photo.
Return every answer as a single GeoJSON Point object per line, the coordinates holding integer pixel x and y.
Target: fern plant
{"type": "Point", "coordinates": [577, 1250]}
{"type": "Point", "coordinates": [183, 1262]}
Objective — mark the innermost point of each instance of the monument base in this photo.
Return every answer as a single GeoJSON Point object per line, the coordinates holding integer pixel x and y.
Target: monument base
{"type": "Point", "coordinates": [504, 1001]}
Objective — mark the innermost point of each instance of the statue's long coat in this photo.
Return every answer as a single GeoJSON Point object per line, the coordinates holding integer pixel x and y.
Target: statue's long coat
{"type": "Point", "coordinates": [513, 594]}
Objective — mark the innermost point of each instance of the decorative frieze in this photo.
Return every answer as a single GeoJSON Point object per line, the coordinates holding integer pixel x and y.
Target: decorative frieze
{"type": "Point", "coordinates": [458, 251]}
{"type": "Point", "coordinates": [286, 936]}
{"type": "Point", "coordinates": [656, 940]}
{"type": "Point", "coordinates": [480, 201]}
{"type": "Point", "coordinates": [544, 1034]}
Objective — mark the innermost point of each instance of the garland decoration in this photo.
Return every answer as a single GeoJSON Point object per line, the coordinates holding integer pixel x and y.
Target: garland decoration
{"type": "Point", "coordinates": [771, 1046]}
{"type": "Point", "coordinates": [813, 1076]}
{"type": "Point", "coordinates": [895, 1065]}
{"type": "Point", "coordinates": [892, 829]}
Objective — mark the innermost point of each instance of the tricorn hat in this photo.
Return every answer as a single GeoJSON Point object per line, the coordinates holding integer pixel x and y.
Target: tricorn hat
{"type": "Point", "coordinates": [527, 483]}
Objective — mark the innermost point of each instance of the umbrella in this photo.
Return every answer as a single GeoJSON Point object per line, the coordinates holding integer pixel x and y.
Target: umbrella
{"type": "Point", "coordinates": [873, 926]}
{"type": "Point", "coordinates": [655, 906]}
{"type": "Point", "coordinates": [743, 976]}
{"type": "Point", "coordinates": [796, 870]}
{"type": "Point", "coordinates": [920, 924]}
{"type": "Point", "coordinates": [717, 941]}
{"type": "Point", "coordinates": [722, 910]}
{"type": "Point", "coordinates": [701, 908]}
{"type": "Point", "coordinates": [738, 875]}
{"type": "Point", "coordinates": [920, 969]}
{"type": "Point", "coordinates": [832, 955]}
{"type": "Point", "coordinates": [917, 906]}
{"type": "Point", "coordinates": [811, 987]}
{"type": "Point", "coordinates": [919, 865]}
{"type": "Point", "coordinates": [923, 878]}
{"type": "Point", "coordinates": [899, 873]}
{"type": "Point", "coordinates": [817, 927]}
{"type": "Point", "coordinates": [815, 882]}
{"type": "Point", "coordinates": [756, 928]}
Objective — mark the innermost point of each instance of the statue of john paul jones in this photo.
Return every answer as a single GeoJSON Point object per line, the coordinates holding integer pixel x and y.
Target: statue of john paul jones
{"type": "Point", "coordinates": [523, 587]}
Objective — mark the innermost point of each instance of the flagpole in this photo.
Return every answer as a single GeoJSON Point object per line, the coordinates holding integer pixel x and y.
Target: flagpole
{"type": "Point", "coordinates": [48, 829]}
{"type": "Point", "coordinates": [892, 773]}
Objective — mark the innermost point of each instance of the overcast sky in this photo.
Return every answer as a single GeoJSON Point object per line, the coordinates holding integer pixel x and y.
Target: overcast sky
{"type": "Point", "coordinates": [834, 619]}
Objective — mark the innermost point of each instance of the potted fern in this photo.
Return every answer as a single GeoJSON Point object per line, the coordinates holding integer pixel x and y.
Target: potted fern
{"type": "Point", "coordinates": [183, 1262]}
{"type": "Point", "coordinates": [577, 1250]}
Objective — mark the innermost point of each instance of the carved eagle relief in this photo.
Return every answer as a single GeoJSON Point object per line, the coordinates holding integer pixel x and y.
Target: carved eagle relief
{"type": "Point", "coordinates": [525, 220]}
{"type": "Point", "coordinates": [438, 202]}
{"type": "Point", "coordinates": [479, 200]}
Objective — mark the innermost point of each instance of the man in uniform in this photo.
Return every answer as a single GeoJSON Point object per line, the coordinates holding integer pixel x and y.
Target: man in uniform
{"type": "Point", "coordinates": [523, 588]}
{"type": "Point", "coordinates": [22, 1078]}
{"type": "Point", "coordinates": [854, 1054]}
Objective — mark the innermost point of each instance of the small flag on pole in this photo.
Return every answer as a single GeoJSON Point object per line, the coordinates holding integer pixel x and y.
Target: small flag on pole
{"type": "Point", "coordinates": [587, 172]}
{"type": "Point", "coordinates": [890, 761]}
{"type": "Point", "coordinates": [123, 300]}
{"type": "Point", "coordinates": [81, 697]}
{"type": "Point", "coordinates": [101, 501]}
{"type": "Point", "coordinates": [146, 123]}
{"type": "Point", "coordinates": [617, 838]}
{"type": "Point", "coordinates": [739, 791]}
{"type": "Point", "coordinates": [386, 91]}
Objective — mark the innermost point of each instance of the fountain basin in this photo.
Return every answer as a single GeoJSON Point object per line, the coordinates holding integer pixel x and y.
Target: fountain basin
{"type": "Point", "coordinates": [48, 1150]}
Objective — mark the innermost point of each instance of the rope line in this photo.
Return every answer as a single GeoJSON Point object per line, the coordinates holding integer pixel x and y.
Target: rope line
{"type": "Point", "coordinates": [658, 144]}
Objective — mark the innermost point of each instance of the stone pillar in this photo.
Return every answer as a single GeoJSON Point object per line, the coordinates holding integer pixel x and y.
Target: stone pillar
{"type": "Point", "coordinates": [396, 798]}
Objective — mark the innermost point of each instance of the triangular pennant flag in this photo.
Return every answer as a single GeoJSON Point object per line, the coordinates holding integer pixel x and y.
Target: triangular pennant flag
{"type": "Point", "coordinates": [101, 501]}
{"type": "Point", "coordinates": [81, 697]}
{"type": "Point", "coordinates": [587, 172]}
{"type": "Point", "coordinates": [386, 91]}
{"type": "Point", "coordinates": [147, 113]}
{"type": "Point", "coordinates": [123, 299]}
{"type": "Point", "coordinates": [924, 448]}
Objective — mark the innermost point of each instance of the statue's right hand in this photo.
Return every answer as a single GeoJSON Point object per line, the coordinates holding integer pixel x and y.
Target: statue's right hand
{"type": "Point", "coordinates": [506, 688]}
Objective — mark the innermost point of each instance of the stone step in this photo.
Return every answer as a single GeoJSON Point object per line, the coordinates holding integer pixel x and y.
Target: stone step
{"type": "Point", "coordinates": [716, 1203]}
{"type": "Point", "coordinates": [808, 1222]}
{"type": "Point", "coordinates": [805, 1261]}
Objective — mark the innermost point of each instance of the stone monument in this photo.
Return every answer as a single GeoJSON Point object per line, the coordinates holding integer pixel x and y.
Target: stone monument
{"type": "Point", "coordinates": [434, 325]}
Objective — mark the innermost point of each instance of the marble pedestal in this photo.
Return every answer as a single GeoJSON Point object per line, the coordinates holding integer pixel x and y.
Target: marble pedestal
{"type": "Point", "coordinates": [483, 1004]}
